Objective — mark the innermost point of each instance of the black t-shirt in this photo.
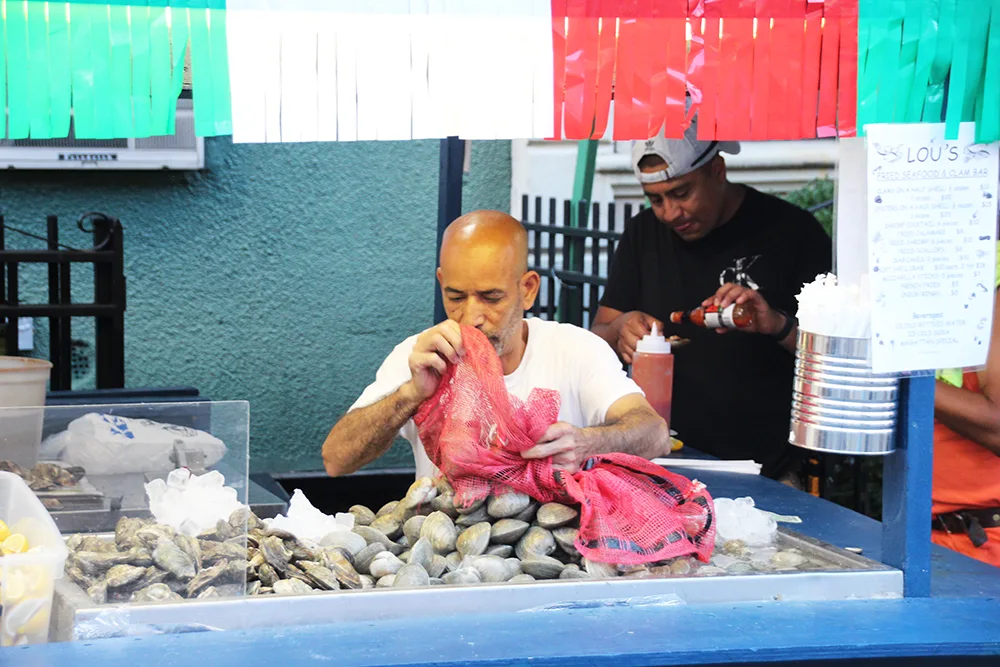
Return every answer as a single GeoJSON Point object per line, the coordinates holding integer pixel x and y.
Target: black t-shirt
{"type": "Point", "coordinates": [732, 392]}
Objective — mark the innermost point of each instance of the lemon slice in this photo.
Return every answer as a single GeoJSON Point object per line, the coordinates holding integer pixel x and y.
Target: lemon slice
{"type": "Point", "coordinates": [4, 531]}
{"type": "Point", "coordinates": [13, 590]}
{"type": "Point", "coordinates": [36, 624]}
{"type": "Point", "coordinates": [15, 544]}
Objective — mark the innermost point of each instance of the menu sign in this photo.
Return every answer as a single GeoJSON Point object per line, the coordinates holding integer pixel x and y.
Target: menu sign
{"type": "Point", "coordinates": [932, 246]}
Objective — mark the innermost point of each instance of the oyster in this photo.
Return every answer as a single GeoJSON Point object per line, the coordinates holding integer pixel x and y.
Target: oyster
{"type": "Point", "coordinates": [411, 529]}
{"type": "Point", "coordinates": [148, 536]}
{"type": "Point", "coordinates": [171, 558]}
{"type": "Point", "coordinates": [411, 576]}
{"type": "Point", "coordinates": [463, 576]}
{"type": "Point", "coordinates": [213, 552]}
{"type": "Point", "coordinates": [78, 577]}
{"type": "Point", "coordinates": [96, 563]}
{"type": "Point", "coordinates": [508, 531]}
{"type": "Point", "coordinates": [140, 557]}
{"type": "Point", "coordinates": [536, 541]}
{"type": "Point", "coordinates": [210, 592]}
{"type": "Point", "coordinates": [242, 520]}
{"type": "Point", "coordinates": [291, 587]}
{"type": "Point", "coordinates": [73, 542]}
{"type": "Point", "coordinates": [98, 593]}
{"type": "Point", "coordinates": [191, 547]}
{"type": "Point", "coordinates": [787, 559]}
{"type": "Point", "coordinates": [120, 576]}
{"type": "Point", "coordinates": [474, 541]}
{"type": "Point", "coordinates": [508, 504]}
{"type": "Point", "coordinates": [342, 569]}
{"type": "Point", "coordinates": [97, 545]}
{"type": "Point", "coordinates": [555, 515]}
{"type": "Point", "coordinates": [275, 553]}
{"type": "Point", "coordinates": [422, 554]}
{"type": "Point", "coordinates": [362, 515]}
{"type": "Point", "coordinates": [223, 572]}
{"type": "Point", "coordinates": [125, 531]}
{"type": "Point", "coordinates": [681, 566]}
{"type": "Point", "coordinates": [322, 577]}
{"type": "Point", "coordinates": [267, 575]}
{"type": "Point", "coordinates": [152, 575]}
{"type": "Point", "coordinates": [155, 593]}
{"type": "Point", "coordinates": [312, 551]}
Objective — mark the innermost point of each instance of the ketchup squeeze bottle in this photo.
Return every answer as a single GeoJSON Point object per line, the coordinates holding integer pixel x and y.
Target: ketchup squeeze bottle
{"type": "Point", "coordinates": [653, 371]}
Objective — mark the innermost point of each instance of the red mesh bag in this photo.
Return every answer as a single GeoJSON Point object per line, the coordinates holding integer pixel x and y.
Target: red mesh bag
{"type": "Point", "coordinates": [631, 510]}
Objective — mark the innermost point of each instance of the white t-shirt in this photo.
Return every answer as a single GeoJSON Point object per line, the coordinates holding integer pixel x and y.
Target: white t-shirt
{"type": "Point", "coordinates": [578, 364]}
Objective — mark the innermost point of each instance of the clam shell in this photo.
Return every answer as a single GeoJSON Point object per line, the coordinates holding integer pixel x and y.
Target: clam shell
{"type": "Point", "coordinates": [566, 539]}
{"type": "Point", "coordinates": [396, 549]}
{"type": "Point", "coordinates": [411, 576]}
{"type": "Point", "coordinates": [502, 550]}
{"type": "Point", "coordinates": [291, 587]}
{"type": "Point", "coordinates": [421, 491]}
{"type": "Point", "coordinates": [681, 566]}
{"type": "Point", "coordinates": [364, 558]}
{"type": "Point", "coordinates": [362, 515]}
{"type": "Point", "coordinates": [210, 592]}
{"type": "Point", "coordinates": [388, 525]}
{"type": "Point", "coordinates": [513, 567]}
{"type": "Point", "coordinates": [440, 530]}
{"type": "Point", "coordinates": [443, 486]}
{"type": "Point", "coordinates": [438, 566]}
{"type": "Point", "coordinates": [384, 564]}
{"type": "Point", "coordinates": [784, 559]}
{"type": "Point", "coordinates": [435, 581]}
{"type": "Point", "coordinates": [371, 535]}
{"type": "Point", "coordinates": [367, 581]}
{"type": "Point", "coordinates": [411, 529]}
{"type": "Point", "coordinates": [599, 570]}
{"type": "Point", "coordinates": [120, 576]}
{"type": "Point", "coordinates": [570, 573]}
{"type": "Point", "coordinates": [472, 518]}
{"type": "Point", "coordinates": [474, 541]}
{"type": "Point", "coordinates": [404, 542]}
{"type": "Point", "coordinates": [386, 582]}
{"type": "Point", "coordinates": [492, 569]}
{"type": "Point", "coordinates": [454, 561]}
{"type": "Point", "coordinates": [528, 515]}
{"type": "Point", "coordinates": [422, 554]}
{"type": "Point", "coordinates": [405, 556]}
{"type": "Point", "coordinates": [469, 508]}
{"type": "Point", "coordinates": [508, 504]}
{"type": "Point", "coordinates": [508, 531]}
{"type": "Point", "coordinates": [536, 541]}
{"type": "Point", "coordinates": [387, 509]}
{"type": "Point", "coordinates": [171, 558]}
{"type": "Point", "coordinates": [352, 542]}
{"type": "Point", "coordinates": [463, 576]}
{"type": "Point", "coordinates": [542, 567]}
{"type": "Point", "coordinates": [445, 503]}
{"type": "Point", "coordinates": [555, 515]}
{"type": "Point", "coordinates": [522, 579]}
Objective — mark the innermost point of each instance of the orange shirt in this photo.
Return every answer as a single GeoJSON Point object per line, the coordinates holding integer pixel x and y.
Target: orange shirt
{"type": "Point", "coordinates": [966, 476]}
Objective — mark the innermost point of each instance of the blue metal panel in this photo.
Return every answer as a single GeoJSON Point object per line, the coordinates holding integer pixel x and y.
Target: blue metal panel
{"type": "Point", "coordinates": [906, 489]}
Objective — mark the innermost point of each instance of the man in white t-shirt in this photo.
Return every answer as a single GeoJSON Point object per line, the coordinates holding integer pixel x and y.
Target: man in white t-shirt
{"type": "Point", "coordinates": [486, 284]}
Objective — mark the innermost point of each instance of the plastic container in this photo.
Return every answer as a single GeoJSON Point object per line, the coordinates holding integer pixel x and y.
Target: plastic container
{"type": "Point", "coordinates": [653, 371]}
{"type": "Point", "coordinates": [27, 579]}
{"type": "Point", "coordinates": [22, 384]}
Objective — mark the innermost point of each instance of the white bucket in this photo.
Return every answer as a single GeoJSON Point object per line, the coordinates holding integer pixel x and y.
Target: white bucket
{"type": "Point", "coordinates": [22, 384]}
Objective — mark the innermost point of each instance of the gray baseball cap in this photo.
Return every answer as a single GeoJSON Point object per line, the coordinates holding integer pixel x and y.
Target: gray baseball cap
{"type": "Point", "coordinates": [681, 155]}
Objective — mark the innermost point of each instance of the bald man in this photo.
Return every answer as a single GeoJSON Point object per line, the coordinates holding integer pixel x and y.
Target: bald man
{"type": "Point", "coordinates": [485, 283]}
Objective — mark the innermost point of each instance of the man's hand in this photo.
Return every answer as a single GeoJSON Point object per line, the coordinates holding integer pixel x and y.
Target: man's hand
{"type": "Point", "coordinates": [631, 328]}
{"type": "Point", "coordinates": [566, 444]}
{"type": "Point", "coordinates": [766, 320]}
{"type": "Point", "coordinates": [433, 351]}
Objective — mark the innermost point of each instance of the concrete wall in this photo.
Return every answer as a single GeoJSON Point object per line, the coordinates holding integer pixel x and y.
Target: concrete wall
{"type": "Point", "coordinates": [281, 274]}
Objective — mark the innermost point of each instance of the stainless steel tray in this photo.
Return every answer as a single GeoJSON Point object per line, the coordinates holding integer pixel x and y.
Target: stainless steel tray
{"type": "Point", "coordinates": [844, 575]}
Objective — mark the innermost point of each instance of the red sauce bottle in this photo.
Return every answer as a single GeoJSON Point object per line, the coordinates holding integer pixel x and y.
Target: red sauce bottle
{"type": "Point", "coordinates": [735, 316]}
{"type": "Point", "coordinates": [653, 371]}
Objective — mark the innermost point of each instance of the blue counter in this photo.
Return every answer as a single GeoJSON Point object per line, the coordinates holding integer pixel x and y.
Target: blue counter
{"type": "Point", "coordinates": [958, 625]}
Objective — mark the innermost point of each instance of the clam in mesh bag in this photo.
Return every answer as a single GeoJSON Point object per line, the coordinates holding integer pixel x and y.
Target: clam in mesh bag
{"type": "Point", "coordinates": [631, 510]}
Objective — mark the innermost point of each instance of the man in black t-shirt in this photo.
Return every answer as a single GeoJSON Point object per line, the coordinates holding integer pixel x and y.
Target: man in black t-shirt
{"type": "Point", "coordinates": [707, 241]}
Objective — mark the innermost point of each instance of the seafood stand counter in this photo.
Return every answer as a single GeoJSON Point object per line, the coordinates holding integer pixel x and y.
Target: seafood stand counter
{"type": "Point", "coordinates": [627, 621]}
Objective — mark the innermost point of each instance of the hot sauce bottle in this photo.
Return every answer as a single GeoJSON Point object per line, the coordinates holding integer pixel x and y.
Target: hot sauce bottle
{"type": "Point", "coordinates": [653, 371]}
{"type": "Point", "coordinates": [734, 316]}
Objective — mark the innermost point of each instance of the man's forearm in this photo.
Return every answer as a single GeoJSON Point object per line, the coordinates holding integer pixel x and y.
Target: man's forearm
{"type": "Point", "coordinates": [971, 415]}
{"type": "Point", "coordinates": [640, 432]}
{"type": "Point", "coordinates": [363, 435]}
{"type": "Point", "coordinates": [608, 332]}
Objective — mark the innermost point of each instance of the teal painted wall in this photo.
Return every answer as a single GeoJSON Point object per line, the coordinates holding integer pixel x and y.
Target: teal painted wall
{"type": "Point", "coordinates": [281, 274]}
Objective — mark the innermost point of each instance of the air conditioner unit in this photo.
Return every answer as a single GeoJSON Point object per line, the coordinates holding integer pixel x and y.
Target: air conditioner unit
{"type": "Point", "coordinates": [182, 150]}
